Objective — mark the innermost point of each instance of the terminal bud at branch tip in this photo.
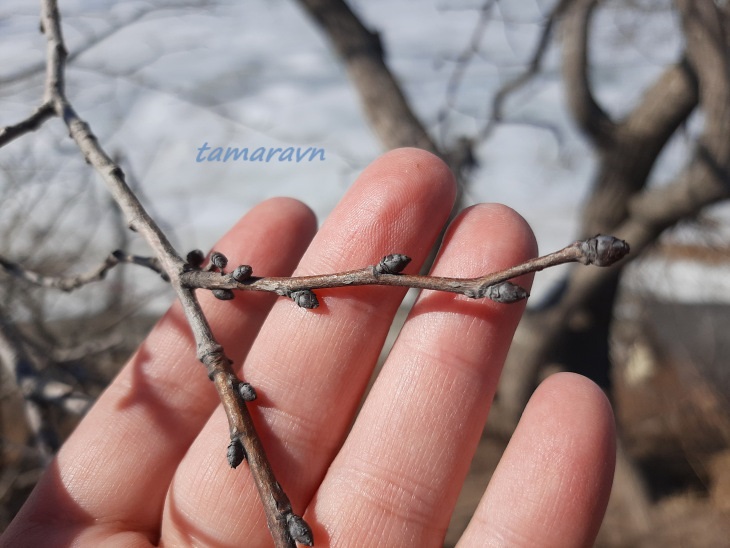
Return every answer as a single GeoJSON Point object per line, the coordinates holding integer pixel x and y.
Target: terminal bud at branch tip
{"type": "Point", "coordinates": [236, 453]}
{"type": "Point", "coordinates": [603, 250]}
{"type": "Point", "coordinates": [305, 298]}
{"type": "Point", "coordinates": [299, 530]}
{"type": "Point", "coordinates": [392, 264]}
{"type": "Point", "coordinates": [506, 293]}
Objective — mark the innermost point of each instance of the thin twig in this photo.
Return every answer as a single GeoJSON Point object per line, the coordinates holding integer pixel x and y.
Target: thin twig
{"type": "Point", "coordinates": [533, 68]}
{"type": "Point", "coordinates": [599, 251]}
{"type": "Point", "coordinates": [31, 123]}
{"type": "Point", "coordinates": [285, 526]}
{"type": "Point", "coordinates": [69, 283]}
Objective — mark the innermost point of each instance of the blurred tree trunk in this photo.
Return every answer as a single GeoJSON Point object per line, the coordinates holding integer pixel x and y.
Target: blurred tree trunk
{"type": "Point", "coordinates": [574, 331]}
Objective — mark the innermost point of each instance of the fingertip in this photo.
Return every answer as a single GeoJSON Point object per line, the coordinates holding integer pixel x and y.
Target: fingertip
{"type": "Point", "coordinates": [279, 218]}
{"type": "Point", "coordinates": [563, 405]}
{"type": "Point", "coordinates": [494, 236]}
{"type": "Point", "coordinates": [405, 195]}
{"type": "Point", "coordinates": [417, 159]}
{"type": "Point", "coordinates": [553, 482]}
{"type": "Point", "coordinates": [414, 165]}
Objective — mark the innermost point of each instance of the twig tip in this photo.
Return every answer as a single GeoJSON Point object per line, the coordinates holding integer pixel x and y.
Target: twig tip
{"type": "Point", "coordinates": [506, 293]}
{"type": "Point", "coordinates": [602, 250]}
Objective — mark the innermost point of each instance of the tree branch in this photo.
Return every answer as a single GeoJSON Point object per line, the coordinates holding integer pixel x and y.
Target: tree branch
{"type": "Point", "coordinates": [362, 53]}
{"type": "Point", "coordinates": [589, 115]}
{"type": "Point", "coordinates": [599, 251]}
{"type": "Point", "coordinates": [31, 123]}
{"type": "Point", "coordinates": [70, 283]}
{"type": "Point", "coordinates": [534, 66]}
{"type": "Point", "coordinates": [285, 526]}
{"type": "Point", "coordinates": [625, 164]}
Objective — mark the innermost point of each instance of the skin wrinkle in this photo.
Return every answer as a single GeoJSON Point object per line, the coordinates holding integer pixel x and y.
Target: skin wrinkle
{"type": "Point", "coordinates": [379, 487]}
{"type": "Point", "coordinates": [455, 384]}
{"type": "Point", "coordinates": [391, 199]}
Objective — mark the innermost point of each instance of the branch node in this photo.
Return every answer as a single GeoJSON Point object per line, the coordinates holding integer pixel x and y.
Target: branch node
{"type": "Point", "coordinates": [299, 529]}
{"type": "Point", "coordinates": [305, 298]}
{"type": "Point", "coordinates": [212, 360]}
{"type": "Point", "coordinates": [117, 172]}
{"type": "Point", "coordinates": [236, 454]}
{"type": "Point", "coordinates": [602, 250]}
{"type": "Point", "coordinates": [391, 264]}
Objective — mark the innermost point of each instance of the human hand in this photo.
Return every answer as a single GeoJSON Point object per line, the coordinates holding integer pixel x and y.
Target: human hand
{"type": "Point", "coordinates": [147, 464]}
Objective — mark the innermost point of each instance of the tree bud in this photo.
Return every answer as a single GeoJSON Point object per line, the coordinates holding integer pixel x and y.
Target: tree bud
{"type": "Point", "coordinates": [219, 260]}
{"type": "Point", "coordinates": [299, 530]}
{"type": "Point", "coordinates": [506, 293]}
{"type": "Point", "coordinates": [603, 250]}
{"type": "Point", "coordinates": [305, 298]}
{"type": "Point", "coordinates": [242, 273]}
{"type": "Point", "coordinates": [392, 264]}
{"type": "Point", "coordinates": [236, 453]}
{"type": "Point", "coordinates": [195, 258]}
{"type": "Point", "coordinates": [223, 294]}
{"type": "Point", "coordinates": [247, 391]}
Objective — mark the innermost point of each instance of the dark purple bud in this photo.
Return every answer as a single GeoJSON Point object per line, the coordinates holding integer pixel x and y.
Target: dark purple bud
{"type": "Point", "coordinates": [242, 273]}
{"type": "Point", "coordinates": [506, 293]}
{"type": "Point", "coordinates": [299, 530]}
{"type": "Point", "coordinates": [247, 391]}
{"type": "Point", "coordinates": [392, 264]}
{"type": "Point", "coordinates": [236, 453]}
{"type": "Point", "coordinates": [603, 250]}
{"type": "Point", "coordinates": [195, 258]}
{"type": "Point", "coordinates": [219, 260]}
{"type": "Point", "coordinates": [223, 294]}
{"type": "Point", "coordinates": [305, 298]}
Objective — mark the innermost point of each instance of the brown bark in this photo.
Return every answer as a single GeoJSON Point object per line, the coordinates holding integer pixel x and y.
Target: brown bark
{"type": "Point", "coordinates": [576, 333]}
{"type": "Point", "coordinates": [361, 51]}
